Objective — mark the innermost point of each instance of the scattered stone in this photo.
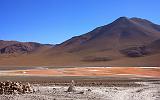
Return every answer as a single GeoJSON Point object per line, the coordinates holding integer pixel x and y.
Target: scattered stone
{"type": "Point", "coordinates": [15, 88]}
{"type": "Point", "coordinates": [116, 88]}
{"type": "Point", "coordinates": [106, 91]}
{"type": "Point", "coordinates": [54, 89]}
{"type": "Point", "coordinates": [71, 87]}
{"type": "Point", "coordinates": [89, 90]}
{"type": "Point", "coordinates": [140, 90]}
{"type": "Point", "coordinates": [82, 92]}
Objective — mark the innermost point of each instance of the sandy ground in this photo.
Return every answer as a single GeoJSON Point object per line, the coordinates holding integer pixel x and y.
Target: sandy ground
{"type": "Point", "coordinates": [146, 91]}
{"type": "Point", "coordinates": [87, 71]}
{"type": "Point", "coordinates": [105, 83]}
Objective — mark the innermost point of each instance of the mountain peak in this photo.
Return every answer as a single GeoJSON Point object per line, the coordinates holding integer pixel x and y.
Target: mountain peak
{"type": "Point", "coordinates": [123, 31]}
{"type": "Point", "coordinates": [134, 19]}
{"type": "Point", "coordinates": [122, 19]}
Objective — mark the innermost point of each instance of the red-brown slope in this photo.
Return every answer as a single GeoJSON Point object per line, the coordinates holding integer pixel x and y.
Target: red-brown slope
{"type": "Point", "coordinates": [100, 47]}
{"type": "Point", "coordinates": [119, 34]}
{"type": "Point", "coordinates": [103, 45]}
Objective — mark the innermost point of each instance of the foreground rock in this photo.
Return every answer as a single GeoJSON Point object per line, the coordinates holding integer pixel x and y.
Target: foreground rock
{"type": "Point", "coordinates": [147, 91]}
{"type": "Point", "coordinates": [71, 87]}
{"type": "Point", "coordinates": [10, 87]}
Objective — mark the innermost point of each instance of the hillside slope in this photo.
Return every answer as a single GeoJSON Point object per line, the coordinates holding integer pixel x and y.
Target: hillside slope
{"type": "Point", "coordinates": [124, 42]}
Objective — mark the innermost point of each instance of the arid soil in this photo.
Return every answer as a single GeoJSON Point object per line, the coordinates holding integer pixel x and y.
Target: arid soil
{"type": "Point", "coordinates": [143, 91]}
{"type": "Point", "coordinates": [91, 83]}
{"type": "Point", "coordinates": [87, 71]}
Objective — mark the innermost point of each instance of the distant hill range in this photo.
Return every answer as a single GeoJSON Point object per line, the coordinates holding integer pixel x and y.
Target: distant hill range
{"type": "Point", "coordinates": [15, 47]}
{"type": "Point", "coordinates": [124, 42]}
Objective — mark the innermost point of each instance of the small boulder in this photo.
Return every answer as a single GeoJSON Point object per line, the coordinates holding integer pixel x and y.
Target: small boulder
{"type": "Point", "coordinates": [89, 90]}
{"type": "Point", "coordinates": [71, 87]}
{"type": "Point", "coordinates": [81, 92]}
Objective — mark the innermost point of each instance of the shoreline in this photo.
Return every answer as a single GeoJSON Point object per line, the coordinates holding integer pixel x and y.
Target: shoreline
{"type": "Point", "coordinates": [63, 80]}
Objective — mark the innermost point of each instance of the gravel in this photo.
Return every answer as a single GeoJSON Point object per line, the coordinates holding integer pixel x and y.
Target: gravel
{"type": "Point", "coordinates": [147, 91]}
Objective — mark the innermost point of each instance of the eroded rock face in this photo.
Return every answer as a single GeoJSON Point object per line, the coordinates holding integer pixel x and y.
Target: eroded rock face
{"type": "Point", "coordinates": [19, 48]}
{"type": "Point", "coordinates": [138, 51]}
{"type": "Point", "coordinates": [11, 47]}
{"type": "Point", "coordinates": [134, 53]}
{"type": "Point", "coordinates": [9, 87]}
{"type": "Point", "coordinates": [16, 48]}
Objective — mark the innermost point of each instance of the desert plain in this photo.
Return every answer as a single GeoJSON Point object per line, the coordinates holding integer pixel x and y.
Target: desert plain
{"type": "Point", "coordinates": [91, 83]}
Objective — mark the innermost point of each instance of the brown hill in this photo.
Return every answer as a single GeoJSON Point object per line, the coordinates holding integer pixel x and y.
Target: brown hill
{"type": "Point", "coordinates": [12, 47]}
{"type": "Point", "coordinates": [124, 42]}
{"type": "Point", "coordinates": [109, 44]}
{"type": "Point", "coordinates": [121, 33]}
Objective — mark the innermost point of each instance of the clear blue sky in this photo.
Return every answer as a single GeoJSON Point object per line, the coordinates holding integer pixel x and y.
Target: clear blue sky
{"type": "Point", "coordinates": [54, 21]}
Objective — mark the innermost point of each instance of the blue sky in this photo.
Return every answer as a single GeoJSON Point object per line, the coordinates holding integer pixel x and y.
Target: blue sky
{"type": "Point", "coordinates": [54, 21]}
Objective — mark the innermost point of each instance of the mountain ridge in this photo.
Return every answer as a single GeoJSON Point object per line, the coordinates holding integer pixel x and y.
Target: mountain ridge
{"type": "Point", "coordinates": [121, 30]}
{"type": "Point", "coordinates": [123, 42]}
